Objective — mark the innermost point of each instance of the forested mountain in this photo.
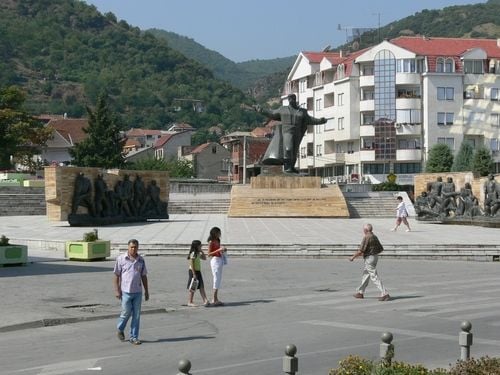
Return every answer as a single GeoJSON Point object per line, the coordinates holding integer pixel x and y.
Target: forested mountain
{"type": "Point", "coordinates": [63, 53]}
{"type": "Point", "coordinates": [243, 75]}
{"type": "Point", "coordinates": [465, 21]}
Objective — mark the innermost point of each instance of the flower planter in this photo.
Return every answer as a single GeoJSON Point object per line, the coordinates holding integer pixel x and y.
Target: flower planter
{"type": "Point", "coordinates": [81, 250]}
{"type": "Point", "coordinates": [13, 254]}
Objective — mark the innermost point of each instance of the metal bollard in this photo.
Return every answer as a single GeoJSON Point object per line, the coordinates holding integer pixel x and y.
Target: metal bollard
{"type": "Point", "coordinates": [184, 366]}
{"type": "Point", "coordinates": [465, 340]}
{"type": "Point", "coordinates": [290, 362]}
{"type": "Point", "coordinates": [386, 348]}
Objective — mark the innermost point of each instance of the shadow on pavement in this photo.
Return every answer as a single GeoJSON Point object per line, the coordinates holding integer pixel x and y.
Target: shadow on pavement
{"type": "Point", "coordinates": [53, 269]}
{"type": "Point", "coordinates": [179, 339]}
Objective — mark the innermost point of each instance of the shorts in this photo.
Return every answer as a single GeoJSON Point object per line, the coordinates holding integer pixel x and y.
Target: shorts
{"type": "Point", "coordinates": [198, 276]}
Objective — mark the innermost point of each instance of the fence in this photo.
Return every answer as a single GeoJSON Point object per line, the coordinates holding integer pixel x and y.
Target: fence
{"type": "Point", "coordinates": [387, 351]}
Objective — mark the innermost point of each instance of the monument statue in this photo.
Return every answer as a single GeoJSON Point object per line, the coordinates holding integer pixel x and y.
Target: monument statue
{"type": "Point", "coordinates": [491, 196]}
{"type": "Point", "coordinates": [434, 193]}
{"type": "Point", "coordinates": [284, 146]}
{"type": "Point", "coordinates": [423, 208]}
{"type": "Point", "coordinates": [448, 195]}
{"type": "Point", "coordinates": [101, 201]}
{"type": "Point", "coordinates": [468, 204]}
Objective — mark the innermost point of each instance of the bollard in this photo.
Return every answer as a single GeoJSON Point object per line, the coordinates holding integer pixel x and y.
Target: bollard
{"type": "Point", "coordinates": [184, 366]}
{"type": "Point", "coordinates": [386, 348]}
{"type": "Point", "coordinates": [465, 340]}
{"type": "Point", "coordinates": [290, 362]}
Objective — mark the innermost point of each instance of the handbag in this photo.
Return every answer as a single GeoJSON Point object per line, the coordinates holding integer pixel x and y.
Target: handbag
{"type": "Point", "coordinates": [224, 258]}
{"type": "Point", "coordinates": [194, 284]}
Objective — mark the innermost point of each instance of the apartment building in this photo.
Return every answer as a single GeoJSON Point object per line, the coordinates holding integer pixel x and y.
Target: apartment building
{"type": "Point", "coordinates": [388, 104]}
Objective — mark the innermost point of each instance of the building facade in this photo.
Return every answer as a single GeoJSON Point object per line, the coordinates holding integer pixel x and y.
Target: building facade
{"type": "Point", "coordinates": [387, 105]}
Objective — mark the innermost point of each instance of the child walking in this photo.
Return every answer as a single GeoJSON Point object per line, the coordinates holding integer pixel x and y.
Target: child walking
{"type": "Point", "coordinates": [195, 257]}
{"type": "Point", "coordinates": [215, 251]}
{"type": "Point", "coordinates": [401, 215]}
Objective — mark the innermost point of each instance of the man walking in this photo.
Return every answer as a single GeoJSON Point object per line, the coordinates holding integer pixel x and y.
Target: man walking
{"type": "Point", "coordinates": [130, 276]}
{"type": "Point", "coordinates": [370, 248]}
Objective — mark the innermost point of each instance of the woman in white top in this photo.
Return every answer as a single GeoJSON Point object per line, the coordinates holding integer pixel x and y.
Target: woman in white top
{"type": "Point", "coordinates": [401, 215]}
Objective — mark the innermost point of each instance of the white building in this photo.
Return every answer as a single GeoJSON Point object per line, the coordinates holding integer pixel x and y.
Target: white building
{"type": "Point", "coordinates": [388, 104]}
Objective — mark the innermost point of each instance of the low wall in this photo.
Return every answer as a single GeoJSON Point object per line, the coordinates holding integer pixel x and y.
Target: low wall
{"type": "Point", "coordinates": [198, 187]}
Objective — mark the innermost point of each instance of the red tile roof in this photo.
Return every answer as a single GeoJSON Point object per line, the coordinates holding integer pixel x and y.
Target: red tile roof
{"type": "Point", "coordinates": [316, 57]}
{"type": "Point", "coordinates": [70, 129]}
{"type": "Point", "coordinates": [200, 148]}
{"type": "Point", "coordinates": [446, 46]}
{"type": "Point", "coordinates": [142, 132]}
{"type": "Point", "coordinates": [162, 140]}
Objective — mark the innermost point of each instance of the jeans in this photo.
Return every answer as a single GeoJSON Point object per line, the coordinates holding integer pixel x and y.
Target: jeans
{"type": "Point", "coordinates": [131, 306]}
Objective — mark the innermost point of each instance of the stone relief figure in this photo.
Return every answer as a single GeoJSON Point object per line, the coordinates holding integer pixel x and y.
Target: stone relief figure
{"type": "Point", "coordinates": [102, 204]}
{"type": "Point", "coordinates": [82, 194]}
{"type": "Point", "coordinates": [139, 195]}
{"type": "Point", "coordinates": [434, 193]}
{"type": "Point", "coordinates": [423, 208]}
{"type": "Point", "coordinates": [491, 196]}
{"type": "Point", "coordinates": [153, 205]}
{"type": "Point", "coordinates": [284, 147]}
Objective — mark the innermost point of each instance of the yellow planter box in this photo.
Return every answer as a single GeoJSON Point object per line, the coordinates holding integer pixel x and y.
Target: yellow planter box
{"type": "Point", "coordinates": [34, 183]}
{"type": "Point", "coordinates": [88, 250]}
{"type": "Point", "coordinates": [13, 254]}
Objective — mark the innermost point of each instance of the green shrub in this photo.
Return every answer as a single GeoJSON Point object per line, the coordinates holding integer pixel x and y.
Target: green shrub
{"type": "Point", "coordinates": [4, 241]}
{"type": "Point", "coordinates": [482, 366]}
{"type": "Point", "coordinates": [90, 236]}
{"type": "Point", "coordinates": [353, 365]}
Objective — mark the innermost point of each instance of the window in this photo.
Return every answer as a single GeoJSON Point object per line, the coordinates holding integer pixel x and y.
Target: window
{"type": "Point", "coordinates": [440, 65]}
{"type": "Point", "coordinates": [302, 85]}
{"type": "Point", "coordinates": [318, 79]}
{"type": "Point", "coordinates": [319, 103]}
{"type": "Point", "coordinates": [338, 148]}
{"type": "Point", "coordinates": [379, 168]}
{"type": "Point", "coordinates": [350, 147]}
{"type": "Point", "coordinates": [408, 116]}
{"type": "Point", "coordinates": [214, 149]}
{"type": "Point", "coordinates": [474, 117]}
{"type": "Point", "coordinates": [340, 71]}
{"type": "Point", "coordinates": [447, 141]}
{"type": "Point", "coordinates": [367, 70]}
{"type": "Point", "coordinates": [445, 118]}
{"type": "Point", "coordinates": [329, 100]}
{"type": "Point", "coordinates": [319, 150]}
{"type": "Point", "coordinates": [409, 144]}
{"type": "Point", "coordinates": [406, 66]}
{"type": "Point", "coordinates": [404, 168]}
{"type": "Point", "coordinates": [445, 65]}
{"type": "Point", "coordinates": [310, 149]}
{"type": "Point", "coordinates": [302, 152]}
{"type": "Point", "coordinates": [471, 142]}
{"type": "Point", "coordinates": [340, 99]}
{"type": "Point", "coordinates": [368, 95]}
{"type": "Point", "coordinates": [330, 125]}
{"type": "Point", "coordinates": [494, 94]}
{"type": "Point", "coordinates": [367, 118]}
{"type": "Point", "coordinates": [445, 93]}
{"type": "Point", "coordinates": [341, 123]}
{"type": "Point", "coordinates": [367, 143]}
{"type": "Point", "coordinates": [449, 66]}
{"type": "Point", "coordinates": [473, 66]}
{"type": "Point", "coordinates": [318, 128]}
{"type": "Point", "coordinates": [409, 92]}
{"type": "Point", "coordinates": [494, 144]}
{"type": "Point", "coordinates": [495, 119]}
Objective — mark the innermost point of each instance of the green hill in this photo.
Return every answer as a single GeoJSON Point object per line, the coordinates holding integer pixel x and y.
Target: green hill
{"type": "Point", "coordinates": [64, 53]}
{"type": "Point", "coordinates": [243, 75]}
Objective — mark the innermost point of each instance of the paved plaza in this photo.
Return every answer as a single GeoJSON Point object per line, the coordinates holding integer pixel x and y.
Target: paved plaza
{"type": "Point", "coordinates": [58, 316]}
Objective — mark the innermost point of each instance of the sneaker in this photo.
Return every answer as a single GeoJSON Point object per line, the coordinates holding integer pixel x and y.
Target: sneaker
{"type": "Point", "coordinates": [121, 335]}
{"type": "Point", "coordinates": [408, 230]}
{"type": "Point", "coordinates": [135, 341]}
{"type": "Point", "coordinates": [393, 229]}
{"type": "Point", "coordinates": [385, 298]}
{"type": "Point", "coordinates": [358, 295]}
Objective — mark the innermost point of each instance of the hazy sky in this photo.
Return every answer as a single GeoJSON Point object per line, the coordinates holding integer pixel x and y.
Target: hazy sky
{"type": "Point", "coordinates": [265, 29]}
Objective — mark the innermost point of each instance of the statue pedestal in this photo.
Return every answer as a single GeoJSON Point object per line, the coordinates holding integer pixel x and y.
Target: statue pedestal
{"type": "Point", "coordinates": [287, 196]}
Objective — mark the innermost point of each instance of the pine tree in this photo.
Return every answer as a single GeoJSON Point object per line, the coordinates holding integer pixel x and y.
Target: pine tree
{"type": "Point", "coordinates": [103, 146]}
{"type": "Point", "coordinates": [482, 162]}
{"type": "Point", "coordinates": [463, 159]}
{"type": "Point", "coordinates": [440, 159]}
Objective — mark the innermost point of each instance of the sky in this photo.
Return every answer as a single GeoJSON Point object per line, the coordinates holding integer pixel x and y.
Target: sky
{"type": "Point", "coordinates": [265, 29]}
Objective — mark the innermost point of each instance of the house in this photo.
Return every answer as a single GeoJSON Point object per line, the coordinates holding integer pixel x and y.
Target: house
{"type": "Point", "coordinates": [387, 105]}
{"type": "Point", "coordinates": [167, 145]}
{"type": "Point", "coordinates": [210, 161]}
{"type": "Point", "coordinates": [144, 137]}
{"type": "Point", "coordinates": [66, 133]}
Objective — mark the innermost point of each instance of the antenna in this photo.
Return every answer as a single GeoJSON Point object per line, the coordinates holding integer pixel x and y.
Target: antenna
{"type": "Point", "coordinates": [355, 32]}
{"type": "Point", "coordinates": [378, 28]}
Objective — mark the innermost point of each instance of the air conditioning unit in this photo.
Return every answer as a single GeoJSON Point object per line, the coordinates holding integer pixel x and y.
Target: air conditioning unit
{"type": "Point", "coordinates": [397, 125]}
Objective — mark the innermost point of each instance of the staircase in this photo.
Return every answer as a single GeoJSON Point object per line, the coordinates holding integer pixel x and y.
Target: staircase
{"type": "Point", "coordinates": [197, 205]}
{"type": "Point", "coordinates": [371, 204]}
{"type": "Point", "coordinates": [17, 200]}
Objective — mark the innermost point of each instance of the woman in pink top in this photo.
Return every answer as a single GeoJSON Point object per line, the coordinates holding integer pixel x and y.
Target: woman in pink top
{"type": "Point", "coordinates": [215, 251]}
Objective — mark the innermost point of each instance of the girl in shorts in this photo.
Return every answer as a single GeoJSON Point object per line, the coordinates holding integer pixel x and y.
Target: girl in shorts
{"type": "Point", "coordinates": [195, 257]}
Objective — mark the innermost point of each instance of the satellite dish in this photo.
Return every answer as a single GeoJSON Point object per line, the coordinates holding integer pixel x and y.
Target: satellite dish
{"type": "Point", "coordinates": [327, 48]}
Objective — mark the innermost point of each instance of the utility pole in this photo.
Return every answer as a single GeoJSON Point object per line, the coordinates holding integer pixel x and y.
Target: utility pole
{"type": "Point", "coordinates": [244, 159]}
{"type": "Point", "coordinates": [378, 28]}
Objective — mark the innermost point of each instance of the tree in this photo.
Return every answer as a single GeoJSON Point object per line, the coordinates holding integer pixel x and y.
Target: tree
{"type": "Point", "coordinates": [482, 163]}
{"type": "Point", "coordinates": [21, 135]}
{"type": "Point", "coordinates": [103, 146]}
{"type": "Point", "coordinates": [440, 159]}
{"type": "Point", "coordinates": [463, 160]}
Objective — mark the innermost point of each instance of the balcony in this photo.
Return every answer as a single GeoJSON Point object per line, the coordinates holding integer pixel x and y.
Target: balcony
{"type": "Point", "coordinates": [366, 81]}
{"type": "Point", "coordinates": [408, 129]}
{"type": "Point", "coordinates": [407, 79]}
{"type": "Point", "coordinates": [334, 158]}
{"type": "Point", "coordinates": [367, 131]}
{"type": "Point", "coordinates": [367, 105]}
{"type": "Point", "coordinates": [409, 155]}
{"type": "Point", "coordinates": [367, 155]}
{"type": "Point", "coordinates": [408, 103]}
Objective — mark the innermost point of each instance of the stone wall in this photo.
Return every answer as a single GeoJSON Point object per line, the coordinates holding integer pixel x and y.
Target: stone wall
{"type": "Point", "coordinates": [459, 178]}
{"type": "Point", "coordinates": [60, 183]}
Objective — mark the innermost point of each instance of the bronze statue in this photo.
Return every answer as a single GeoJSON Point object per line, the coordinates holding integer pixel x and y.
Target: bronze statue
{"type": "Point", "coordinates": [448, 195]}
{"type": "Point", "coordinates": [102, 204]}
{"type": "Point", "coordinates": [434, 193]}
{"type": "Point", "coordinates": [82, 194]}
{"type": "Point", "coordinates": [284, 146]}
{"type": "Point", "coordinates": [491, 196]}
{"type": "Point", "coordinates": [468, 204]}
